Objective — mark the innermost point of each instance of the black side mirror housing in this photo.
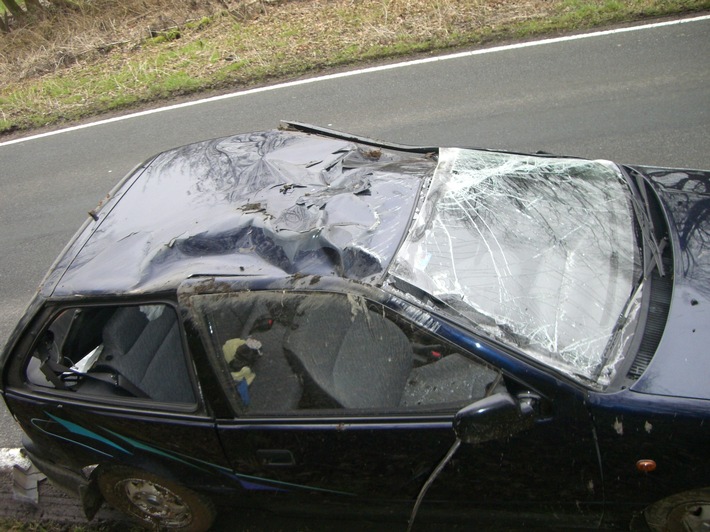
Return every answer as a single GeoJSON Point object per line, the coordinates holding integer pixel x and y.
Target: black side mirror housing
{"type": "Point", "coordinates": [494, 417]}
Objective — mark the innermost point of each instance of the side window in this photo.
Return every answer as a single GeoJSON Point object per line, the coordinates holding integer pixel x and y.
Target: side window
{"type": "Point", "coordinates": [289, 352]}
{"type": "Point", "coordinates": [126, 351]}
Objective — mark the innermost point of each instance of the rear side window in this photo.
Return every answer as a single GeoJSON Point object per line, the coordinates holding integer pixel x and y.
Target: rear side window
{"type": "Point", "coordinates": [126, 351]}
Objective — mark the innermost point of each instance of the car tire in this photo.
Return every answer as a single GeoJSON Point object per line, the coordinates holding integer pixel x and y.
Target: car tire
{"type": "Point", "coordinates": [688, 511]}
{"type": "Point", "coordinates": [155, 502]}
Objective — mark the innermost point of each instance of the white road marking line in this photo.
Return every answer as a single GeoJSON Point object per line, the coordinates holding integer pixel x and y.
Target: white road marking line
{"type": "Point", "coordinates": [358, 72]}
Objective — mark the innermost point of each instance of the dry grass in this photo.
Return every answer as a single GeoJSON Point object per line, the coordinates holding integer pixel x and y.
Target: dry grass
{"type": "Point", "coordinates": [62, 39]}
{"type": "Point", "coordinates": [113, 54]}
{"type": "Point", "coordinates": [114, 30]}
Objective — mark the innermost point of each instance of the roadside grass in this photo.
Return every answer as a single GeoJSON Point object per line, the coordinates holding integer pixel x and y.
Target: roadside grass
{"type": "Point", "coordinates": [118, 55]}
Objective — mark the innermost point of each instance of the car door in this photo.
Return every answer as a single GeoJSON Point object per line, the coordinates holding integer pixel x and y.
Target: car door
{"type": "Point", "coordinates": [109, 385]}
{"type": "Point", "coordinates": [336, 398]}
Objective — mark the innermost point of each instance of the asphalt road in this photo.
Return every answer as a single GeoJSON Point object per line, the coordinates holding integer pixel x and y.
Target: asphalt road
{"type": "Point", "coordinates": [639, 96]}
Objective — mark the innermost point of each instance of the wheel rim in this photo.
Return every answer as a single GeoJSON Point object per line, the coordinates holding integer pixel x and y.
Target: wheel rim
{"type": "Point", "coordinates": [155, 503]}
{"type": "Point", "coordinates": [690, 517]}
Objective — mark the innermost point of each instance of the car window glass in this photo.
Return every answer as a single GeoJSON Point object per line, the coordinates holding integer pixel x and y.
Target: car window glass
{"type": "Point", "coordinates": [294, 352]}
{"type": "Point", "coordinates": [537, 252]}
{"type": "Point", "coordinates": [126, 351]}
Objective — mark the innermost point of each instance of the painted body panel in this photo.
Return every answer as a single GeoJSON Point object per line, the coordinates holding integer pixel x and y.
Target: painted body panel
{"type": "Point", "coordinates": [309, 212]}
{"type": "Point", "coordinates": [676, 367]}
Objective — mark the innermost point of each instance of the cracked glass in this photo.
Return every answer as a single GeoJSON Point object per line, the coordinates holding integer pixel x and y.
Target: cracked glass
{"type": "Point", "coordinates": [537, 252]}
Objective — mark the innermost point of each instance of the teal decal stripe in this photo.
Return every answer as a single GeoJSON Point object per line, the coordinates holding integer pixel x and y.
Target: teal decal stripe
{"type": "Point", "coordinates": [34, 422]}
{"type": "Point", "coordinates": [253, 486]}
{"type": "Point", "coordinates": [222, 469]}
{"type": "Point", "coordinates": [247, 481]}
{"type": "Point", "coordinates": [159, 452]}
{"type": "Point", "coordinates": [81, 431]}
{"type": "Point", "coordinates": [300, 486]}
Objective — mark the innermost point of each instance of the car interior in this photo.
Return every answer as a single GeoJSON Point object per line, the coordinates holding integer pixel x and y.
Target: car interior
{"type": "Point", "coordinates": [330, 351]}
{"type": "Point", "coordinates": [130, 351]}
{"type": "Point", "coordinates": [283, 353]}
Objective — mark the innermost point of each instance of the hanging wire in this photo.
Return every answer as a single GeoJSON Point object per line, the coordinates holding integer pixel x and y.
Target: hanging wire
{"type": "Point", "coordinates": [431, 480]}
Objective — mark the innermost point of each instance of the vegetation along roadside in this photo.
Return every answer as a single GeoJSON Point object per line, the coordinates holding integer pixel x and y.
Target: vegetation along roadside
{"type": "Point", "coordinates": [65, 60]}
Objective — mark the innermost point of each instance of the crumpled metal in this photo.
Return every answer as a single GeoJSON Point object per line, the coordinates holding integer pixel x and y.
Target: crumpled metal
{"type": "Point", "coordinates": [273, 203]}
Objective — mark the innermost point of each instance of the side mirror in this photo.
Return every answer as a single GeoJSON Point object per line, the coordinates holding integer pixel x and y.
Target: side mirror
{"type": "Point", "coordinates": [494, 417]}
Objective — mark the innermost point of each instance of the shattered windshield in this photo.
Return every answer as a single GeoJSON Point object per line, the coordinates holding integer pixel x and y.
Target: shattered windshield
{"type": "Point", "coordinates": [538, 252]}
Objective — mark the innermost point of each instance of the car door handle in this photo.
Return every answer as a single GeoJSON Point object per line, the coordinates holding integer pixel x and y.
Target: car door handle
{"type": "Point", "coordinates": [275, 457]}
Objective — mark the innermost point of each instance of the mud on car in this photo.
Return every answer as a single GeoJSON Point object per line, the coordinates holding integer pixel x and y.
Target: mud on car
{"type": "Point", "coordinates": [305, 318]}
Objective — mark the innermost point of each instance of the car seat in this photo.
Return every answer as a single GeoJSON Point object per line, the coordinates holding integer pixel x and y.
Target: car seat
{"type": "Point", "coordinates": [146, 355]}
{"type": "Point", "coordinates": [349, 356]}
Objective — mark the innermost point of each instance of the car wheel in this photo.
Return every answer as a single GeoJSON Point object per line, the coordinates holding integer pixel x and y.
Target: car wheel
{"type": "Point", "coordinates": [154, 501]}
{"type": "Point", "coordinates": [685, 512]}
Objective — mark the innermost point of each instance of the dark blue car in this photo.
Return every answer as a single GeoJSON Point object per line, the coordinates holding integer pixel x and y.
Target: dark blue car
{"type": "Point", "coordinates": [300, 318]}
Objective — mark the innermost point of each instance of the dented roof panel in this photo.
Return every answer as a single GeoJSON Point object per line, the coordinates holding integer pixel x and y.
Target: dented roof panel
{"type": "Point", "coordinates": [272, 203]}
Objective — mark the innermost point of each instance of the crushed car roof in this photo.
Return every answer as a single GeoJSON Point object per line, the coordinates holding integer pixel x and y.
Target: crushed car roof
{"type": "Point", "coordinates": [273, 203]}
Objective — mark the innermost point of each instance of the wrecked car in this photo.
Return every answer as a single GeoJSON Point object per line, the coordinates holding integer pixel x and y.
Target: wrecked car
{"type": "Point", "coordinates": [301, 318]}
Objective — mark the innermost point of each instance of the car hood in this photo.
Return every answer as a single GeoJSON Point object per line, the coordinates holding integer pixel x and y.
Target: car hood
{"type": "Point", "coordinates": [681, 363]}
